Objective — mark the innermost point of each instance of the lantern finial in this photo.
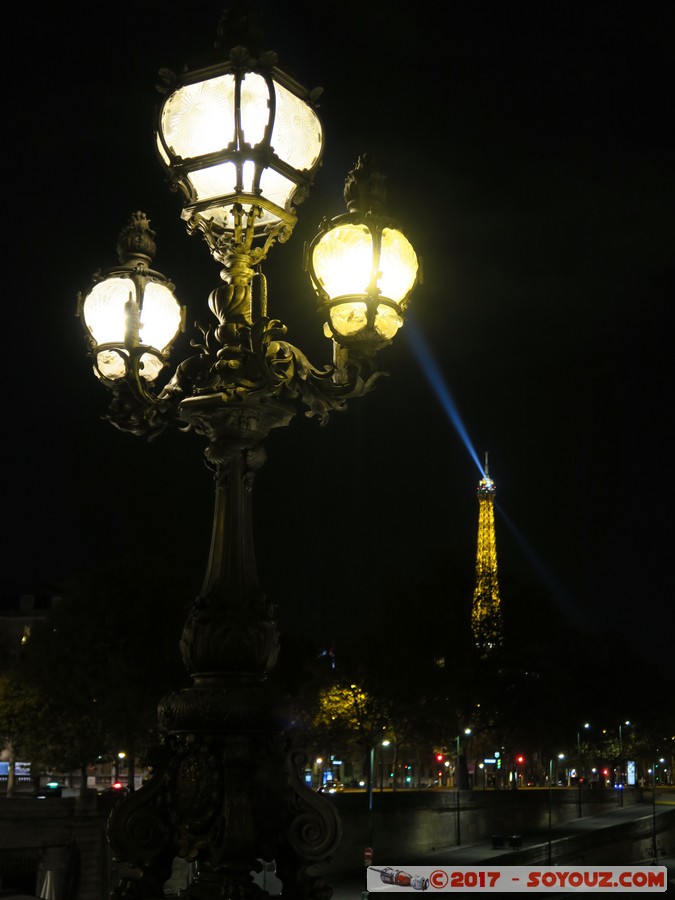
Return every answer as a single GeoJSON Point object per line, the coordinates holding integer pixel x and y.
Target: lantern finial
{"type": "Point", "coordinates": [136, 239]}
{"type": "Point", "coordinates": [365, 189]}
{"type": "Point", "coordinates": [240, 26]}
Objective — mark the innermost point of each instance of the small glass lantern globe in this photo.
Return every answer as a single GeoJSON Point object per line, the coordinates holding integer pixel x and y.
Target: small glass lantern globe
{"type": "Point", "coordinates": [131, 315]}
{"type": "Point", "coordinates": [362, 266]}
{"type": "Point", "coordinates": [241, 141]}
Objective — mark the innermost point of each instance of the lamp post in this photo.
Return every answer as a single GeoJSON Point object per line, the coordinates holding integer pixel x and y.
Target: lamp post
{"type": "Point", "coordinates": [655, 849]}
{"type": "Point", "coordinates": [384, 744]}
{"type": "Point", "coordinates": [116, 769]}
{"type": "Point", "coordinates": [550, 805]}
{"type": "Point", "coordinates": [241, 141]}
{"type": "Point", "coordinates": [579, 761]}
{"type": "Point", "coordinates": [622, 765]}
{"type": "Point", "coordinates": [467, 731]}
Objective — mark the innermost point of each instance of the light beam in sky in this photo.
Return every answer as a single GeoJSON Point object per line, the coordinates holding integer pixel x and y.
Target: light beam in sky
{"type": "Point", "coordinates": [429, 367]}
{"type": "Point", "coordinates": [426, 360]}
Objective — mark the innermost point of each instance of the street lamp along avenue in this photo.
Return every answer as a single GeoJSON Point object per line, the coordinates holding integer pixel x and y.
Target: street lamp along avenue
{"type": "Point", "coordinates": [458, 784]}
{"type": "Point", "coordinates": [241, 141]}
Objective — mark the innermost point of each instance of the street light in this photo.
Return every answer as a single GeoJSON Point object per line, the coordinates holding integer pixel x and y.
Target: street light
{"type": "Point", "coordinates": [550, 804]}
{"type": "Point", "coordinates": [241, 141]}
{"type": "Point", "coordinates": [385, 743]}
{"type": "Point", "coordinates": [467, 731]}
{"type": "Point", "coordinates": [579, 760]}
{"type": "Point", "coordinates": [116, 769]}
{"type": "Point", "coordinates": [622, 765]}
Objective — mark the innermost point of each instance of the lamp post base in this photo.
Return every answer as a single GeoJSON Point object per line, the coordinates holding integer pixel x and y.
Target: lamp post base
{"type": "Point", "coordinates": [227, 799]}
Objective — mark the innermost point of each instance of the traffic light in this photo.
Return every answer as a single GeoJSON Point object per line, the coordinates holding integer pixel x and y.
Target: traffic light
{"type": "Point", "coordinates": [439, 757]}
{"type": "Point", "coordinates": [520, 760]}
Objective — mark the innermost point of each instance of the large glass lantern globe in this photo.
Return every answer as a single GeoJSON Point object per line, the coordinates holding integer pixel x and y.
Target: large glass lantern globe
{"type": "Point", "coordinates": [362, 267]}
{"type": "Point", "coordinates": [364, 275]}
{"type": "Point", "coordinates": [241, 140]}
{"type": "Point", "coordinates": [124, 313]}
{"type": "Point", "coordinates": [131, 315]}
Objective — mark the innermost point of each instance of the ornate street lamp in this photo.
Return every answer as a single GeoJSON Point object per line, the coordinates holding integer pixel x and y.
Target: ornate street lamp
{"type": "Point", "coordinates": [241, 141]}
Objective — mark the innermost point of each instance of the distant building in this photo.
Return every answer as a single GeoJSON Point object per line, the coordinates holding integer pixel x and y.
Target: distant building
{"type": "Point", "coordinates": [19, 612]}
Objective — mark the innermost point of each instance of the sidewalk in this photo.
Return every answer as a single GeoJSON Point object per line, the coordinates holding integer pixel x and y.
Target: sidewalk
{"type": "Point", "coordinates": [352, 885]}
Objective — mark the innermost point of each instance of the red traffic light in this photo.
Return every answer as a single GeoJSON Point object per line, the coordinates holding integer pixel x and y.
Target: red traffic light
{"type": "Point", "coordinates": [439, 757]}
{"type": "Point", "coordinates": [520, 760]}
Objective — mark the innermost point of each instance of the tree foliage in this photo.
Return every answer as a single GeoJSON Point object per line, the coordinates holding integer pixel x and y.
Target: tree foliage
{"type": "Point", "coordinates": [100, 662]}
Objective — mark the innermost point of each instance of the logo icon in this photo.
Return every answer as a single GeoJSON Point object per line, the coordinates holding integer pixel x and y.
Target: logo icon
{"type": "Point", "coordinates": [438, 878]}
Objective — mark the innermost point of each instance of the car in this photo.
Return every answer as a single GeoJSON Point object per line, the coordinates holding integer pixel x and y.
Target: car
{"type": "Point", "coordinates": [116, 789]}
{"type": "Point", "coordinates": [51, 789]}
{"type": "Point", "coordinates": [331, 787]}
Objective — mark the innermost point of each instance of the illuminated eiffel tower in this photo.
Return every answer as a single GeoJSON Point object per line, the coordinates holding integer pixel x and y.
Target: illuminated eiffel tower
{"type": "Point", "coordinates": [486, 614]}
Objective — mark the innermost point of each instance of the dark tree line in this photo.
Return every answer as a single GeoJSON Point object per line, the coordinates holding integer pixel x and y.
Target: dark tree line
{"type": "Point", "coordinates": [87, 682]}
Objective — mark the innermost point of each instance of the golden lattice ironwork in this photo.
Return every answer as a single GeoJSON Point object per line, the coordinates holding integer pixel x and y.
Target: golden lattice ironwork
{"type": "Point", "coordinates": [486, 615]}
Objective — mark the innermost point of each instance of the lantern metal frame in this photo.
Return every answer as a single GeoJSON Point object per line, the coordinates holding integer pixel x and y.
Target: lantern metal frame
{"type": "Point", "coordinates": [248, 207]}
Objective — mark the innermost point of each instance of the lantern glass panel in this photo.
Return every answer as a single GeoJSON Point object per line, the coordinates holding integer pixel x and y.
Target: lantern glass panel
{"type": "Point", "coordinates": [150, 367]}
{"type": "Point", "coordinates": [343, 260]}
{"type": "Point", "coordinates": [297, 132]}
{"type": "Point", "coordinates": [104, 309]}
{"type": "Point", "coordinates": [255, 111]}
{"type": "Point", "coordinates": [398, 265]}
{"type": "Point", "coordinates": [160, 316]}
{"type": "Point", "coordinates": [387, 321]}
{"type": "Point", "coordinates": [214, 181]}
{"type": "Point", "coordinates": [348, 319]}
{"type": "Point", "coordinates": [110, 364]}
{"type": "Point", "coordinates": [277, 188]}
{"type": "Point", "coordinates": [199, 118]}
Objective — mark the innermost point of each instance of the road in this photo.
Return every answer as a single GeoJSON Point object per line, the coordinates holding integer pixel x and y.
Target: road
{"type": "Point", "coordinates": [351, 886]}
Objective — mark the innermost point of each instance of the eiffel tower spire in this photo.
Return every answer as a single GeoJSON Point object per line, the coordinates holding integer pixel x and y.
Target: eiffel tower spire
{"type": "Point", "coordinates": [486, 615]}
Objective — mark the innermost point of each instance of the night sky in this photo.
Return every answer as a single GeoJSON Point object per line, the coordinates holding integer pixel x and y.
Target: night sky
{"type": "Point", "coordinates": [528, 159]}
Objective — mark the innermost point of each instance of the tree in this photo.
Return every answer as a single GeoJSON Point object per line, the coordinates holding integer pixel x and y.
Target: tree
{"type": "Point", "coordinates": [347, 715]}
{"type": "Point", "coordinates": [100, 662]}
{"type": "Point", "coordinates": [20, 708]}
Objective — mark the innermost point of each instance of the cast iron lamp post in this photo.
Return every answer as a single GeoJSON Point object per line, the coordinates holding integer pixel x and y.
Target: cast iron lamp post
{"type": "Point", "coordinates": [550, 806]}
{"type": "Point", "coordinates": [241, 142]}
{"type": "Point", "coordinates": [587, 725]}
{"type": "Point", "coordinates": [622, 767]}
{"type": "Point", "coordinates": [467, 731]}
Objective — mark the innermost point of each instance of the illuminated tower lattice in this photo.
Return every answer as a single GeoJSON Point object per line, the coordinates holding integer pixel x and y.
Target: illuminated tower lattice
{"type": "Point", "coordinates": [486, 614]}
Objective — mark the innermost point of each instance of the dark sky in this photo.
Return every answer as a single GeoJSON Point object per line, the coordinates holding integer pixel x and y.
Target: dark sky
{"type": "Point", "coordinates": [528, 158]}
